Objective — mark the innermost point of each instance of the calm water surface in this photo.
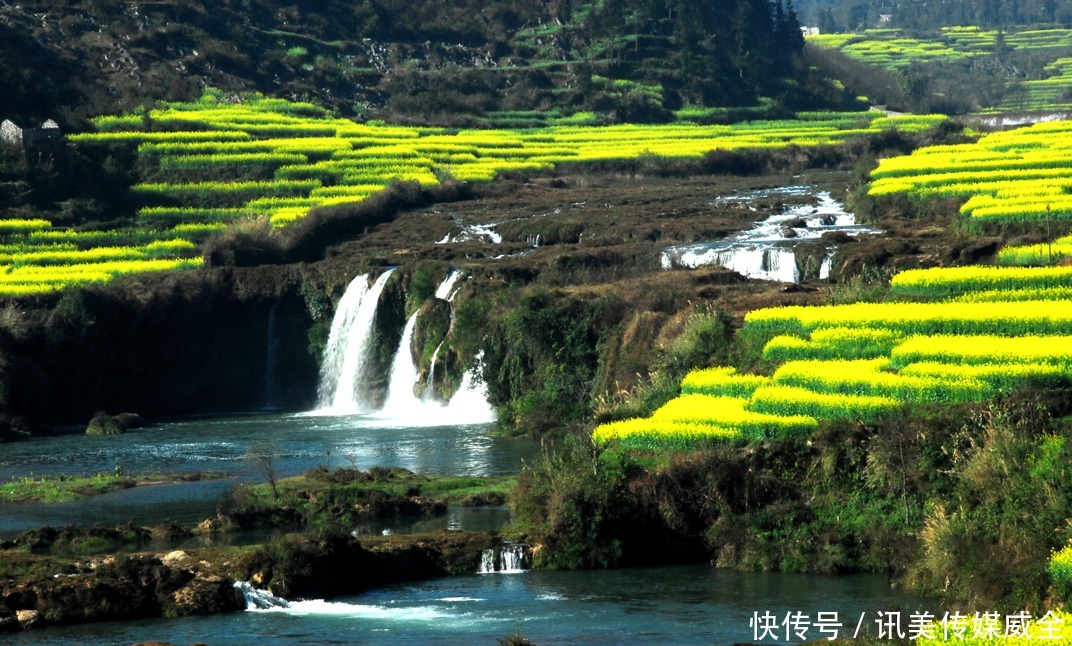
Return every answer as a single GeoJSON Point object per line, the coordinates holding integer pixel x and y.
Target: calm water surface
{"type": "Point", "coordinates": [672, 605]}
{"type": "Point", "coordinates": [301, 443]}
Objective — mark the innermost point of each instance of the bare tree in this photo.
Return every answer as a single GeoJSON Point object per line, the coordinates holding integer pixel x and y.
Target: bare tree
{"type": "Point", "coordinates": [263, 454]}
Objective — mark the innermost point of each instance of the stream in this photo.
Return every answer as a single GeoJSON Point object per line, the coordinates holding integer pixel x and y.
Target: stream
{"type": "Point", "coordinates": [768, 250]}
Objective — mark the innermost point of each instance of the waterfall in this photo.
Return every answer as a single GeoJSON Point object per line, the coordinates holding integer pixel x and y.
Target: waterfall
{"type": "Point", "coordinates": [259, 599]}
{"type": "Point", "coordinates": [400, 400]}
{"type": "Point", "coordinates": [445, 292]}
{"type": "Point", "coordinates": [512, 558]}
{"type": "Point", "coordinates": [342, 372]}
{"type": "Point", "coordinates": [271, 361]}
{"type": "Point", "coordinates": [347, 349]}
{"type": "Point", "coordinates": [469, 405]}
{"type": "Point", "coordinates": [826, 267]}
{"type": "Point", "coordinates": [767, 250]}
{"type": "Point", "coordinates": [487, 561]}
{"type": "Point", "coordinates": [470, 401]}
{"type": "Point", "coordinates": [509, 558]}
{"type": "Point", "coordinates": [400, 397]}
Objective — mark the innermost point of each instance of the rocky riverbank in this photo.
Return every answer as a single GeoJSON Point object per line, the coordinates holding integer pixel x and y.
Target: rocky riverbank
{"type": "Point", "coordinates": [37, 591]}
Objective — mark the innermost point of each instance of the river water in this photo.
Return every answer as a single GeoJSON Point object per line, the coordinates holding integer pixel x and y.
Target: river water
{"type": "Point", "coordinates": [299, 443]}
{"type": "Point", "coordinates": [676, 605]}
{"type": "Point", "coordinates": [768, 250]}
{"type": "Point", "coordinates": [668, 605]}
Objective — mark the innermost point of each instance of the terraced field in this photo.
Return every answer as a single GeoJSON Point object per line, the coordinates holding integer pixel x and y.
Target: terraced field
{"type": "Point", "coordinates": [890, 49]}
{"type": "Point", "coordinates": [226, 159]}
{"type": "Point", "coordinates": [944, 335]}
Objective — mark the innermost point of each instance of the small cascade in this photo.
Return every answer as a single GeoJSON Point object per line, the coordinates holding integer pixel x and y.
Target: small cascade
{"type": "Point", "coordinates": [271, 367]}
{"type": "Point", "coordinates": [767, 251]}
{"type": "Point", "coordinates": [470, 401]}
{"type": "Point", "coordinates": [404, 374]}
{"type": "Point", "coordinates": [259, 599]}
{"type": "Point", "coordinates": [400, 397]}
{"type": "Point", "coordinates": [508, 558]}
{"type": "Point", "coordinates": [826, 267]}
{"type": "Point", "coordinates": [487, 562]}
{"type": "Point", "coordinates": [513, 558]}
{"type": "Point", "coordinates": [347, 348]}
{"type": "Point", "coordinates": [445, 292]}
{"type": "Point", "coordinates": [469, 405]}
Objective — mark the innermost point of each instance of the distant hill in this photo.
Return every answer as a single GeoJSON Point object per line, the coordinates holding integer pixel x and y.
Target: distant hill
{"type": "Point", "coordinates": [433, 62]}
{"type": "Point", "coordinates": [854, 15]}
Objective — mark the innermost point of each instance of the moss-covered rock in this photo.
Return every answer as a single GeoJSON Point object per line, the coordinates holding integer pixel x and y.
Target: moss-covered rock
{"type": "Point", "coordinates": [105, 424]}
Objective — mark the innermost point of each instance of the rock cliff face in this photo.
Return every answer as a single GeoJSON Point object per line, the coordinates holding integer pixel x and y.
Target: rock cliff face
{"type": "Point", "coordinates": [217, 340]}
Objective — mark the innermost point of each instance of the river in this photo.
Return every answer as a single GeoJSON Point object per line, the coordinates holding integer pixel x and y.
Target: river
{"type": "Point", "coordinates": [220, 445]}
{"type": "Point", "coordinates": [680, 604]}
{"type": "Point", "coordinates": [667, 605]}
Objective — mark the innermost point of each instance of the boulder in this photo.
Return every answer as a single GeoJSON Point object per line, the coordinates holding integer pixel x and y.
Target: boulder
{"type": "Point", "coordinates": [28, 619]}
{"type": "Point", "coordinates": [105, 424]}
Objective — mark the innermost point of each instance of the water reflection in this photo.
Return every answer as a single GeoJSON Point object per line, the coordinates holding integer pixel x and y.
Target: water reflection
{"type": "Point", "coordinates": [300, 443]}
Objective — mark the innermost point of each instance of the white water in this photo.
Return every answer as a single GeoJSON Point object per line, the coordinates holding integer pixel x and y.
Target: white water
{"type": "Point", "coordinates": [445, 292]}
{"type": "Point", "coordinates": [766, 251]}
{"type": "Point", "coordinates": [400, 397]}
{"type": "Point", "coordinates": [510, 558]}
{"type": "Point", "coordinates": [475, 232]}
{"type": "Point", "coordinates": [347, 348]}
{"type": "Point", "coordinates": [264, 601]}
{"type": "Point", "coordinates": [259, 599]}
{"type": "Point", "coordinates": [468, 405]}
{"type": "Point", "coordinates": [1023, 119]}
{"type": "Point", "coordinates": [342, 378]}
{"type": "Point", "coordinates": [470, 401]}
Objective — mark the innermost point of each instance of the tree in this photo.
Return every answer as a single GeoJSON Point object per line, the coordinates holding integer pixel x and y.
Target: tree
{"type": "Point", "coordinates": [263, 455]}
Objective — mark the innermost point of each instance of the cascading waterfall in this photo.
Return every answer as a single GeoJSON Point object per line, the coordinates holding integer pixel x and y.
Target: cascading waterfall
{"type": "Point", "coordinates": [469, 405]}
{"type": "Point", "coordinates": [347, 348]}
{"type": "Point", "coordinates": [470, 402]}
{"type": "Point", "coordinates": [259, 599]}
{"type": "Point", "coordinates": [445, 292]}
{"type": "Point", "coordinates": [767, 251]}
{"type": "Point", "coordinates": [400, 397]}
{"type": "Point", "coordinates": [509, 558]}
{"type": "Point", "coordinates": [342, 372]}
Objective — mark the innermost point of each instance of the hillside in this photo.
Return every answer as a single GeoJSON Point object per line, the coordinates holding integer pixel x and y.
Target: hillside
{"type": "Point", "coordinates": [850, 15]}
{"type": "Point", "coordinates": [460, 64]}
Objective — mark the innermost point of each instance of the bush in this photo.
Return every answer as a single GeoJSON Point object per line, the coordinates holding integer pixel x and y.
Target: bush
{"type": "Point", "coordinates": [1060, 569]}
{"type": "Point", "coordinates": [573, 500]}
{"type": "Point", "coordinates": [247, 243]}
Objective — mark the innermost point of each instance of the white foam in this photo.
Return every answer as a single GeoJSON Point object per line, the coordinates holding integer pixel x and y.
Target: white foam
{"type": "Point", "coordinates": [348, 346]}
{"type": "Point", "coordinates": [766, 251]}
